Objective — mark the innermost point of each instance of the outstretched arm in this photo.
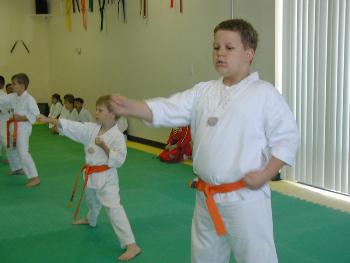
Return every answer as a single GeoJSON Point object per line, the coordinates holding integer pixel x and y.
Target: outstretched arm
{"type": "Point", "coordinates": [123, 106]}
{"type": "Point", "coordinates": [53, 121]}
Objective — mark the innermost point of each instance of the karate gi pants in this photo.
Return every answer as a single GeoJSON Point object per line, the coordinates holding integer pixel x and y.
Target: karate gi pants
{"type": "Point", "coordinates": [109, 197]}
{"type": "Point", "coordinates": [19, 156]}
{"type": "Point", "coordinates": [249, 232]}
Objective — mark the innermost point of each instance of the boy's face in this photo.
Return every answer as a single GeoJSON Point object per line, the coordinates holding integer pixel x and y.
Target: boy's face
{"type": "Point", "coordinates": [230, 59]}
{"type": "Point", "coordinates": [68, 106]}
{"type": "Point", "coordinates": [103, 115]}
{"type": "Point", "coordinates": [17, 87]}
{"type": "Point", "coordinates": [78, 105]}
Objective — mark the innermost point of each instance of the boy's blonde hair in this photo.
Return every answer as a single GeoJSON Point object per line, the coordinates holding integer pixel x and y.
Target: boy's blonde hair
{"type": "Point", "coordinates": [106, 101]}
{"type": "Point", "coordinates": [249, 36]}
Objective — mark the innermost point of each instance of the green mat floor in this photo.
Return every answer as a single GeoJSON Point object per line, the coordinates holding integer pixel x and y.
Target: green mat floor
{"type": "Point", "coordinates": [35, 224]}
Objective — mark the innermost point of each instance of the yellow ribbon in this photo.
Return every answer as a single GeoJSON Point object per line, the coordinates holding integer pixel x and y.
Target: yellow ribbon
{"type": "Point", "coordinates": [68, 15]}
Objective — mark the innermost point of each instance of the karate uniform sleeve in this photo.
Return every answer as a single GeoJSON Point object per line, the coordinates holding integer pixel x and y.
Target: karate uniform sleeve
{"type": "Point", "coordinates": [281, 129]}
{"type": "Point", "coordinates": [175, 111]}
{"type": "Point", "coordinates": [63, 114]}
{"type": "Point", "coordinates": [117, 151]}
{"type": "Point", "coordinates": [32, 110]}
{"type": "Point", "coordinates": [75, 115]}
{"type": "Point", "coordinates": [52, 109]}
{"type": "Point", "coordinates": [5, 102]}
{"type": "Point", "coordinates": [89, 116]}
{"type": "Point", "coordinates": [122, 124]}
{"type": "Point", "coordinates": [55, 110]}
{"type": "Point", "coordinates": [85, 116]}
{"type": "Point", "coordinates": [79, 132]}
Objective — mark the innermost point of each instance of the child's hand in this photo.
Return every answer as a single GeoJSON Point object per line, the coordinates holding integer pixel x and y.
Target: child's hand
{"type": "Point", "coordinates": [99, 141]}
{"type": "Point", "coordinates": [254, 180]}
{"type": "Point", "coordinates": [42, 118]}
{"type": "Point", "coordinates": [119, 104]}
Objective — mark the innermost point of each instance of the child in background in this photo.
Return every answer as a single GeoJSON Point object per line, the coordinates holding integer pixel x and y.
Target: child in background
{"type": "Point", "coordinates": [243, 133]}
{"type": "Point", "coordinates": [178, 147]}
{"type": "Point", "coordinates": [83, 114]}
{"type": "Point", "coordinates": [4, 116]}
{"type": "Point", "coordinates": [25, 111]}
{"type": "Point", "coordinates": [69, 112]}
{"type": "Point", "coordinates": [9, 88]}
{"type": "Point", "coordinates": [105, 148]}
{"type": "Point", "coordinates": [55, 108]}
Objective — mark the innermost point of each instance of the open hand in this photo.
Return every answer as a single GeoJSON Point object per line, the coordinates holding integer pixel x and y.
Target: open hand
{"type": "Point", "coordinates": [120, 105]}
{"type": "Point", "coordinates": [42, 118]}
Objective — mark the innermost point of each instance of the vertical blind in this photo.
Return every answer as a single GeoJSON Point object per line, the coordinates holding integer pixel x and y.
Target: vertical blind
{"type": "Point", "coordinates": [315, 80]}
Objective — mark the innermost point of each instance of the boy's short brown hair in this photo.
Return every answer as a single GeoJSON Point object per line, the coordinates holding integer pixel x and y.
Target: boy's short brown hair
{"type": "Point", "coordinates": [106, 101]}
{"type": "Point", "coordinates": [249, 36]}
{"type": "Point", "coordinates": [21, 78]}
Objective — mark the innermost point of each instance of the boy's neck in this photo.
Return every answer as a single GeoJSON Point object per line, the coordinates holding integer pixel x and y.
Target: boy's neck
{"type": "Point", "coordinates": [105, 126]}
{"type": "Point", "coordinates": [19, 93]}
{"type": "Point", "coordinates": [233, 80]}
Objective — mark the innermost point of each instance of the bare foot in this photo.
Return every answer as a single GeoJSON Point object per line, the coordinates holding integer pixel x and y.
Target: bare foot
{"type": "Point", "coordinates": [19, 171]}
{"type": "Point", "coordinates": [82, 221]}
{"type": "Point", "coordinates": [35, 181]}
{"type": "Point", "coordinates": [132, 250]}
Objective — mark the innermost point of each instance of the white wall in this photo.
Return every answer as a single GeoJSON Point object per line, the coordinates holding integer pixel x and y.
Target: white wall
{"type": "Point", "coordinates": [141, 59]}
{"type": "Point", "coordinates": [166, 53]}
{"type": "Point", "coordinates": [18, 23]}
{"type": "Point", "coordinates": [261, 14]}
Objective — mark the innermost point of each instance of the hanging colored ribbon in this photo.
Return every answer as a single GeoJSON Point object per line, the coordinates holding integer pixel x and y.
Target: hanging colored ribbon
{"type": "Point", "coordinates": [76, 2]}
{"type": "Point", "coordinates": [122, 2]}
{"type": "Point", "coordinates": [91, 5]}
{"type": "Point", "coordinates": [143, 8]}
{"type": "Point", "coordinates": [68, 15]}
{"type": "Point", "coordinates": [102, 7]}
{"type": "Point", "coordinates": [181, 5]}
{"type": "Point", "coordinates": [83, 11]}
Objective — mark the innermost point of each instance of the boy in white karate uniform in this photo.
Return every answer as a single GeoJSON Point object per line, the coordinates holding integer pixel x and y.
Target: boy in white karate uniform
{"type": "Point", "coordinates": [55, 108]}
{"type": "Point", "coordinates": [83, 114]}
{"type": "Point", "coordinates": [104, 145]}
{"type": "Point", "coordinates": [243, 133]}
{"type": "Point", "coordinates": [4, 116]}
{"type": "Point", "coordinates": [25, 111]}
{"type": "Point", "coordinates": [68, 111]}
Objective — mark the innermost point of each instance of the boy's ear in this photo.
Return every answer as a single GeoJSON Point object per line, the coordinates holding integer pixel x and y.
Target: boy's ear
{"type": "Point", "coordinates": [250, 54]}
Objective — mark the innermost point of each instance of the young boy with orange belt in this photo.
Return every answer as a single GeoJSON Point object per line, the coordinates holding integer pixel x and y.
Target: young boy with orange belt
{"type": "Point", "coordinates": [243, 133]}
{"type": "Point", "coordinates": [24, 111]}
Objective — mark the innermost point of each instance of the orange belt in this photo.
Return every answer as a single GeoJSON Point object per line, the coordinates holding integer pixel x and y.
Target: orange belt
{"type": "Point", "coordinates": [88, 170]}
{"type": "Point", "coordinates": [15, 128]}
{"type": "Point", "coordinates": [209, 190]}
